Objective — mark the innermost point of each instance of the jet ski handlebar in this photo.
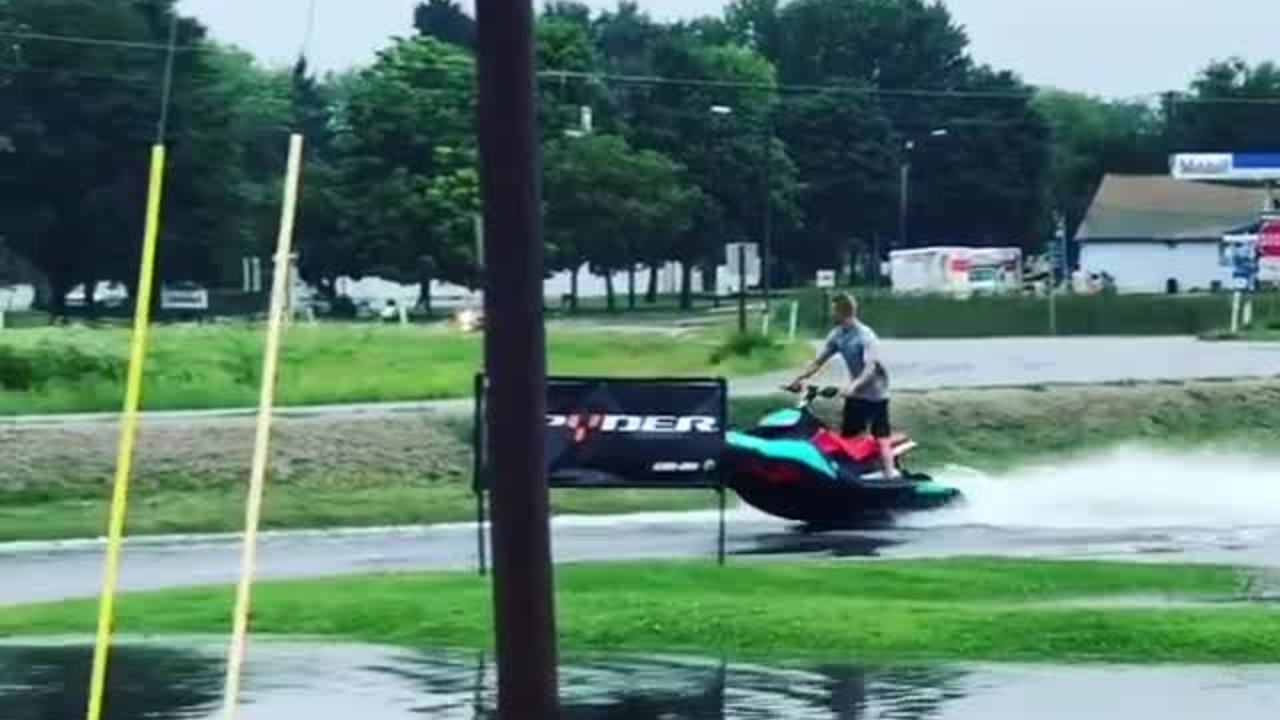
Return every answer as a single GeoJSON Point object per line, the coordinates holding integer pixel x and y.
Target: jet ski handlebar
{"type": "Point", "coordinates": [812, 392]}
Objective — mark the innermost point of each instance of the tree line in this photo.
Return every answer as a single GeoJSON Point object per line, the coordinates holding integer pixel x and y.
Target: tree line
{"type": "Point", "coordinates": [796, 122]}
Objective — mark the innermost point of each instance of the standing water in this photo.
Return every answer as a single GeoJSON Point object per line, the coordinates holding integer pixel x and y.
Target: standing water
{"type": "Point", "coordinates": [183, 681]}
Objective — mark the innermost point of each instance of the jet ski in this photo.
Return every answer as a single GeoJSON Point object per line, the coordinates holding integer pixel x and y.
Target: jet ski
{"type": "Point", "coordinates": [793, 466]}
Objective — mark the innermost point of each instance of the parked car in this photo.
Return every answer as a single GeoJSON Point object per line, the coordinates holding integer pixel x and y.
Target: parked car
{"type": "Point", "coordinates": [106, 294]}
{"type": "Point", "coordinates": [184, 297]}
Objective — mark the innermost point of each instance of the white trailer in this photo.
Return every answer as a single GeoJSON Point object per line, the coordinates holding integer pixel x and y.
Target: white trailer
{"type": "Point", "coordinates": [956, 270]}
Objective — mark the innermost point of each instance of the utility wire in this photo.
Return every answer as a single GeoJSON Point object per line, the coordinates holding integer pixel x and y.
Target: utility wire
{"type": "Point", "coordinates": [466, 66]}
{"type": "Point", "coordinates": [97, 41]}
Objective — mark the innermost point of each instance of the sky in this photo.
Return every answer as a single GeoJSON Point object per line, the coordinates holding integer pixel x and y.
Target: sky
{"type": "Point", "coordinates": [1113, 48]}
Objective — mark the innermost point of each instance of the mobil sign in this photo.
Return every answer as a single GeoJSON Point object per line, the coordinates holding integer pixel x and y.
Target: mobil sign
{"type": "Point", "coordinates": [1269, 250]}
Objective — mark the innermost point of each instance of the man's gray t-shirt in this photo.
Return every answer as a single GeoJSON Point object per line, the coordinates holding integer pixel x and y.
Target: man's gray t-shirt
{"type": "Point", "coordinates": [850, 342]}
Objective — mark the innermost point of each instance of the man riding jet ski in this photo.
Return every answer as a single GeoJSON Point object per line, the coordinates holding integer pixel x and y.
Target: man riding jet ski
{"type": "Point", "coordinates": [793, 466]}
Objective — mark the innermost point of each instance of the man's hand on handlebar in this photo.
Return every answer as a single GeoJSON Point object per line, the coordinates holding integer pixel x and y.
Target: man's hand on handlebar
{"type": "Point", "coordinates": [813, 390]}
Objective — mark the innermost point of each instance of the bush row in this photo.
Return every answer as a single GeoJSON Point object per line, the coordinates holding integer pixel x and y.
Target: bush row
{"type": "Point", "coordinates": [943, 317]}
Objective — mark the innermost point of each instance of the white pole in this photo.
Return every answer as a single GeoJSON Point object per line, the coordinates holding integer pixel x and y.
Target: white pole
{"type": "Point", "coordinates": [1248, 313]}
{"type": "Point", "coordinates": [1235, 312]}
{"type": "Point", "coordinates": [795, 312]}
{"type": "Point", "coordinates": [764, 324]}
{"type": "Point", "coordinates": [262, 438]}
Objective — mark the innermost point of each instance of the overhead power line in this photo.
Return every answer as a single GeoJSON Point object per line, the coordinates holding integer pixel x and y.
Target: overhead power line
{"type": "Point", "coordinates": [466, 65]}
{"type": "Point", "coordinates": [98, 42]}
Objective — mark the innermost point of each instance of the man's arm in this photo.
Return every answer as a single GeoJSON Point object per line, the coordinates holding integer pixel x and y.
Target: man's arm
{"type": "Point", "coordinates": [828, 352]}
{"type": "Point", "coordinates": [870, 363]}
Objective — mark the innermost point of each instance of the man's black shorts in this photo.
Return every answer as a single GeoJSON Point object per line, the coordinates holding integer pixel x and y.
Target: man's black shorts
{"type": "Point", "coordinates": [862, 415]}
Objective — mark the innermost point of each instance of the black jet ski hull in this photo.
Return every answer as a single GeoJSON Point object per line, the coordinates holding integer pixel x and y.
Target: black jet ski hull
{"type": "Point", "coordinates": [781, 480]}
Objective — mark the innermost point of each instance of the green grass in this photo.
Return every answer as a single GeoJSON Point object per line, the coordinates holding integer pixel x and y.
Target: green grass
{"type": "Point", "coordinates": [942, 317]}
{"type": "Point", "coordinates": [973, 609]}
{"type": "Point", "coordinates": [212, 510]}
{"type": "Point", "coordinates": [81, 369]}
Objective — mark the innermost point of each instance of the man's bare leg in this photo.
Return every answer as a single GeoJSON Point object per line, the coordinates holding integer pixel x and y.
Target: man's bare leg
{"type": "Point", "coordinates": [886, 457]}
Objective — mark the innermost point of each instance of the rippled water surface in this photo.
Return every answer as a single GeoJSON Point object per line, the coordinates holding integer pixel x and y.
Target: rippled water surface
{"type": "Point", "coordinates": [152, 681]}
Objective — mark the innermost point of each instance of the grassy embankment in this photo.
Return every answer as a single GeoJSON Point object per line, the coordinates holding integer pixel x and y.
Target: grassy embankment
{"type": "Point", "coordinates": [415, 468]}
{"type": "Point", "coordinates": [942, 317]}
{"type": "Point", "coordinates": [962, 609]}
{"type": "Point", "coordinates": [79, 369]}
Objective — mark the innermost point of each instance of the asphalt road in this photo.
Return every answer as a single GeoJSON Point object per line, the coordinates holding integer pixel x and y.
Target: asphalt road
{"type": "Point", "coordinates": [38, 572]}
{"type": "Point", "coordinates": [914, 365]}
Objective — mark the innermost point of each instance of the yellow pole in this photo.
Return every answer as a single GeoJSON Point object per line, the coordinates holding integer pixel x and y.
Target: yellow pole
{"type": "Point", "coordinates": [128, 433]}
{"type": "Point", "coordinates": [257, 480]}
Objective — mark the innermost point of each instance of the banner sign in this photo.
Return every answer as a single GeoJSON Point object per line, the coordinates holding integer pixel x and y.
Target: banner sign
{"type": "Point", "coordinates": [1226, 166]}
{"type": "Point", "coordinates": [634, 433]}
{"type": "Point", "coordinates": [626, 432]}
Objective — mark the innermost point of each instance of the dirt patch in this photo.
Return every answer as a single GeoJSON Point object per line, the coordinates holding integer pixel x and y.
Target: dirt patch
{"type": "Point", "coordinates": [346, 451]}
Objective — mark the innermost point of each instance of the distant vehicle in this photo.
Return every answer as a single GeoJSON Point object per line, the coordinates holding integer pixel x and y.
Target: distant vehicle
{"type": "Point", "coordinates": [470, 319]}
{"type": "Point", "coordinates": [184, 297]}
{"type": "Point", "coordinates": [956, 271]}
{"type": "Point", "coordinates": [106, 293]}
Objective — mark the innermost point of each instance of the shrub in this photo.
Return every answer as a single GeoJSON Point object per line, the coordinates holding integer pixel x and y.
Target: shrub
{"type": "Point", "coordinates": [16, 372]}
{"type": "Point", "coordinates": [743, 345]}
{"type": "Point", "coordinates": [31, 369]}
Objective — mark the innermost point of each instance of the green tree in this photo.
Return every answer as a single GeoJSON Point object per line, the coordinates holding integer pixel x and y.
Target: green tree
{"type": "Point", "coordinates": [446, 21]}
{"type": "Point", "coordinates": [756, 24]}
{"type": "Point", "coordinates": [565, 45]}
{"type": "Point", "coordinates": [883, 43]}
{"type": "Point", "coordinates": [407, 160]}
{"type": "Point", "coordinates": [79, 119]}
{"type": "Point", "coordinates": [987, 181]}
{"type": "Point", "coordinates": [722, 131]}
{"type": "Point", "coordinates": [1093, 137]}
{"type": "Point", "coordinates": [325, 250]}
{"type": "Point", "coordinates": [612, 206]}
{"type": "Point", "coordinates": [1232, 106]}
{"type": "Point", "coordinates": [846, 152]}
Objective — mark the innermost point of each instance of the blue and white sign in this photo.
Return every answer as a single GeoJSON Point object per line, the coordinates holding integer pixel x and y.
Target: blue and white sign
{"type": "Point", "coordinates": [1226, 166]}
{"type": "Point", "coordinates": [1240, 253]}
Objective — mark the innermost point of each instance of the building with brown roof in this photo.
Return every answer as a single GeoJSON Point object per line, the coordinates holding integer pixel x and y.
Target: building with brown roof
{"type": "Point", "coordinates": [1156, 234]}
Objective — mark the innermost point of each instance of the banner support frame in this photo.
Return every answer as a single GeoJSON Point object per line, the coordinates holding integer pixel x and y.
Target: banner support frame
{"type": "Point", "coordinates": [479, 440]}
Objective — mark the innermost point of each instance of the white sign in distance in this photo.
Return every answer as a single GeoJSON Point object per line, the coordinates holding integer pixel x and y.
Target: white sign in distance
{"type": "Point", "coordinates": [826, 278]}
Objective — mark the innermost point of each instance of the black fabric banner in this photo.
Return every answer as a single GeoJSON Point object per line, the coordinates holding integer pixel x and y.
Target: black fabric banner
{"type": "Point", "coordinates": [634, 433]}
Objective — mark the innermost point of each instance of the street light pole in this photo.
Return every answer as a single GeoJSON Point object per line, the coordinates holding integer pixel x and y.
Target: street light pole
{"type": "Point", "coordinates": [904, 193]}
{"type": "Point", "coordinates": [766, 264]}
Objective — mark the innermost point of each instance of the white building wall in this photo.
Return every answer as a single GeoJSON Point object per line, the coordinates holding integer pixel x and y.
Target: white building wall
{"type": "Point", "coordinates": [1145, 267]}
{"type": "Point", "coordinates": [17, 298]}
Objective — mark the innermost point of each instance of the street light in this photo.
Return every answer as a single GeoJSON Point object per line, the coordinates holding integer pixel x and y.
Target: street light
{"type": "Point", "coordinates": [904, 192]}
{"type": "Point", "coordinates": [767, 232]}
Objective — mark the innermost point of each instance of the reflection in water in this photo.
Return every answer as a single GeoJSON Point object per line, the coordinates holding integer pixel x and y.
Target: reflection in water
{"type": "Point", "coordinates": [332, 682]}
{"type": "Point", "coordinates": [51, 683]}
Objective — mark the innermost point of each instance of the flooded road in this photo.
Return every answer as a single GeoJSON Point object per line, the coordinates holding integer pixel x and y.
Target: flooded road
{"type": "Point", "coordinates": [1130, 503]}
{"type": "Point", "coordinates": [183, 681]}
